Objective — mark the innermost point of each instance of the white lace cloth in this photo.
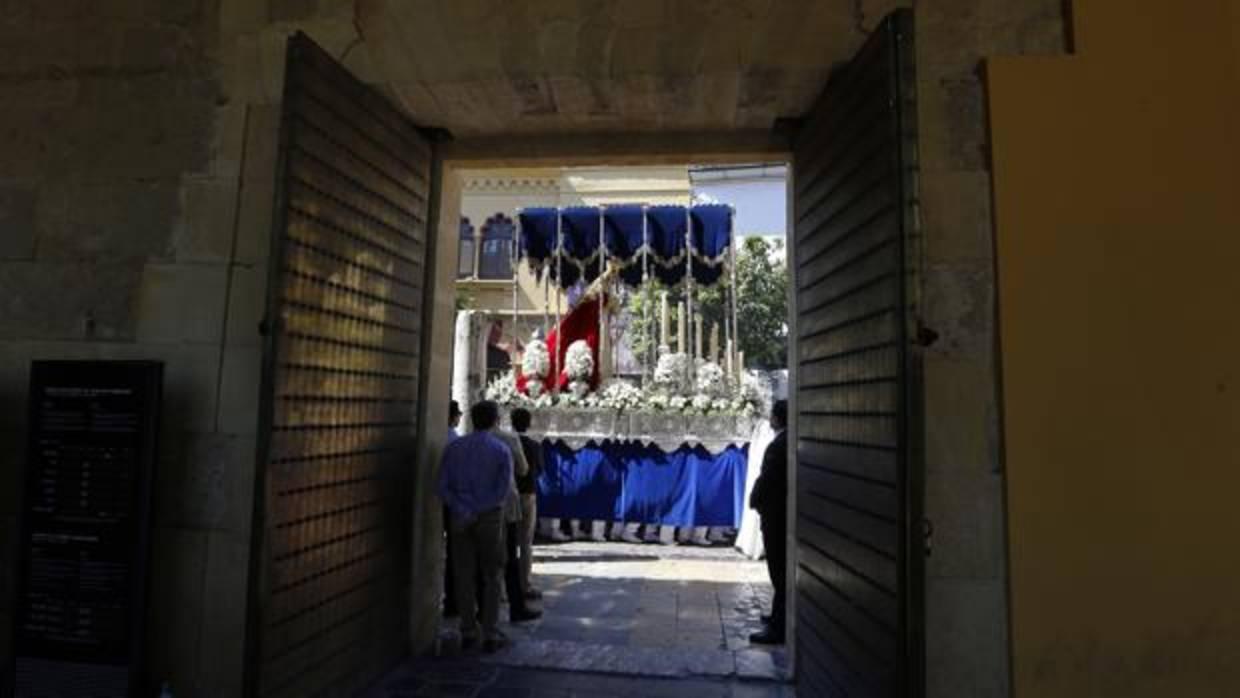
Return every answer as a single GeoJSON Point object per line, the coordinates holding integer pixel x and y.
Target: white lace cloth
{"type": "Point", "coordinates": [578, 427]}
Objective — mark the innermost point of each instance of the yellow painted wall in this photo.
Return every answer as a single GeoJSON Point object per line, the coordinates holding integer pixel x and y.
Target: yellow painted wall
{"type": "Point", "coordinates": [1117, 197]}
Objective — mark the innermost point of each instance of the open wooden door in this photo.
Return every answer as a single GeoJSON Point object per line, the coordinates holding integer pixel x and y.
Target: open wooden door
{"type": "Point", "coordinates": [348, 289]}
{"type": "Point", "coordinates": [857, 396]}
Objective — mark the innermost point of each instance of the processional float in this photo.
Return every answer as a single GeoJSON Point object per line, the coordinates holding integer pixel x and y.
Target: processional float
{"type": "Point", "coordinates": [672, 446]}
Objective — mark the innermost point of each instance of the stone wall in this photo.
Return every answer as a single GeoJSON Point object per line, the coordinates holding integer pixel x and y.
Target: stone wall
{"type": "Point", "coordinates": [966, 574]}
{"type": "Point", "coordinates": [134, 216]}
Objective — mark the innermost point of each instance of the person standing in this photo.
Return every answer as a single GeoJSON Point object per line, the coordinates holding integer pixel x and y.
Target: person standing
{"type": "Point", "coordinates": [475, 481]}
{"type": "Point", "coordinates": [528, 488]}
{"type": "Point", "coordinates": [770, 499]}
{"type": "Point", "coordinates": [449, 587]}
{"type": "Point", "coordinates": [518, 609]}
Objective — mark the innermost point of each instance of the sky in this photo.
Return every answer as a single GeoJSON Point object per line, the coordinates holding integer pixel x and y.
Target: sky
{"type": "Point", "coordinates": [761, 204]}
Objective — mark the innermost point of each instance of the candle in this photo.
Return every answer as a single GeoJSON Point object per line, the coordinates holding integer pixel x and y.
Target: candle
{"type": "Point", "coordinates": [714, 342]}
{"type": "Point", "coordinates": [740, 362]}
{"type": "Point", "coordinates": [664, 326]}
{"type": "Point", "coordinates": [697, 337]}
{"type": "Point", "coordinates": [681, 336]}
{"type": "Point", "coordinates": [727, 359]}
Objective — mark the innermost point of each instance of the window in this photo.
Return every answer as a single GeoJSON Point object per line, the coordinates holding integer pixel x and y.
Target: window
{"type": "Point", "coordinates": [495, 260]}
{"type": "Point", "coordinates": [466, 250]}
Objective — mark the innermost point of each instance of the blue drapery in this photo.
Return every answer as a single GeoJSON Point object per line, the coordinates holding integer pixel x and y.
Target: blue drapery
{"type": "Point", "coordinates": [628, 481]}
{"type": "Point", "coordinates": [623, 237]}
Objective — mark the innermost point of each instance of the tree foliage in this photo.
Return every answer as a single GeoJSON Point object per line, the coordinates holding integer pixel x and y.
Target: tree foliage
{"type": "Point", "coordinates": [761, 304]}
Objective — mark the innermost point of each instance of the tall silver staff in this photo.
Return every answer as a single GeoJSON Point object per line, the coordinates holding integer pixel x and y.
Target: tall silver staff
{"type": "Point", "coordinates": [602, 270]}
{"type": "Point", "coordinates": [688, 324]}
{"type": "Point", "coordinates": [647, 368]}
{"type": "Point", "coordinates": [736, 330]}
{"type": "Point", "coordinates": [513, 262]}
{"type": "Point", "coordinates": [559, 280]}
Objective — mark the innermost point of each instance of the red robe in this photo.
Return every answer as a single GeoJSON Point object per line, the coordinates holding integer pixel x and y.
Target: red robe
{"type": "Point", "coordinates": [580, 323]}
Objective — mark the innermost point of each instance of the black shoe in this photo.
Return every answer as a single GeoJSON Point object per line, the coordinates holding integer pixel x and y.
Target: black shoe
{"type": "Point", "coordinates": [491, 644]}
{"type": "Point", "coordinates": [770, 636]}
{"type": "Point", "coordinates": [468, 643]}
{"type": "Point", "coordinates": [533, 594]}
{"type": "Point", "coordinates": [521, 615]}
{"type": "Point", "coordinates": [767, 618]}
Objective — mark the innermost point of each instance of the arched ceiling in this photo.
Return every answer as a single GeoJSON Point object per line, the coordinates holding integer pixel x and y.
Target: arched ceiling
{"type": "Point", "coordinates": [483, 67]}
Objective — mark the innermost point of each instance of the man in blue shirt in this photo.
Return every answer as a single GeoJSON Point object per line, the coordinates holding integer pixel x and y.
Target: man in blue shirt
{"type": "Point", "coordinates": [475, 480]}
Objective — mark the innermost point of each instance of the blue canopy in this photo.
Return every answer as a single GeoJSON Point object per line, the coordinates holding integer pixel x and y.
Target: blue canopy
{"type": "Point", "coordinates": [634, 236]}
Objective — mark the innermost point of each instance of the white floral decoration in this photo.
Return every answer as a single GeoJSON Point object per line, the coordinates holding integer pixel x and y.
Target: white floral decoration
{"type": "Point", "coordinates": [677, 403]}
{"type": "Point", "coordinates": [670, 372]}
{"type": "Point", "coordinates": [619, 394]}
{"type": "Point", "coordinates": [755, 393]}
{"type": "Point", "coordinates": [503, 389]}
{"type": "Point", "coordinates": [711, 379]}
{"type": "Point", "coordinates": [537, 360]}
{"type": "Point", "coordinates": [578, 361]}
{"type": "Point", "coordinates": [700, 404]}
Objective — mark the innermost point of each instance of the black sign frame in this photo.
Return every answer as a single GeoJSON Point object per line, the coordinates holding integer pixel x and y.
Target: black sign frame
{"type": "Point", "coordinates": [88, 422]}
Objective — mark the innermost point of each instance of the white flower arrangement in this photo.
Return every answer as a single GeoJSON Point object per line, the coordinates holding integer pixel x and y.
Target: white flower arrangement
{"type": "Point", "coordinates": [536, 362]}
{"type": "Point", "coordinates": [670, 372]}
{"type": "Point", "coordinates": [677, 403]}
{"type": "Point", "coordinates": [657, 402]}
{"type": "Point", "coordinates": [503, 389]}
{"type": "Point", "coordinates": [711, 379]}
{"type": "Point", "coordinates": [722, 404]}
{"type": "Point", "coordinates": [620, 394]}
{"type": "Point", "coordinates": [700, 403]}
{"type": "Point", "coordinates": [578, 361]}
{"type": "Point", "coordinates": [755, 393]}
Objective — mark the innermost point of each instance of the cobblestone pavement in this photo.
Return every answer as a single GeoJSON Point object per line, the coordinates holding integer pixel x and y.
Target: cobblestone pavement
{"type": "Point", "coordinates": [621, 620]}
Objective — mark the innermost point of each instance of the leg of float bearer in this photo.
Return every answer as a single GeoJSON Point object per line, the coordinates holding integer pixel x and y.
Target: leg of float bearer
{"type": "Point", "coordinates": [699, 535]}
{"type": "Point", "coordinates": [575, 530]}
{"type": "Point", "coordinates": [629, 535]}
{"type": "Point", "coordinates": [598, 531]}
{"type": "Point", "coordinates": [667, 535]}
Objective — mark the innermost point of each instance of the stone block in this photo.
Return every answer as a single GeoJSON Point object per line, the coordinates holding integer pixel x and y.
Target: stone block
{"type": "Point", "coordinates": [291, 10]}
{"type": "Point", "coordinates": [239, 389]}
{"type": "Point", "coordinates": [961, 424]}
{"type": "Point", "coordinates": [952, 121]}
{"type": "Point", "coordinates": [112, 220]}
{"type": "Point", "coordinates": [247, 303]}
{"type": "Point", "coordinates": [203, 481]}
{"type": "Point", "coordinates": [958, 303]}
{"type": "Point", "coordinates": [182, 303]}
{"type": "Point", "coordinates": [204, 232]}
{"type": "Point", "coordinates": [17, 220]}
{"type": "Point", "coordinates": [966, 506]}
{"type": "Point", "coordinates": [956, 216]}
{"type": "Point", "coordinates": [175, 618]}
{"type": "Point", "coordinates": [71, 300]}
{"type": "Point", "coordinates": [254, 229]}
{"type": "Point", "coordinates": [191, 373]}
{"type": "Point", "coordinates": [967, 647]}
{"type": "Point", "coordinates": [224, 616]}
{"type": "Point", "coordinates": [228, 139]}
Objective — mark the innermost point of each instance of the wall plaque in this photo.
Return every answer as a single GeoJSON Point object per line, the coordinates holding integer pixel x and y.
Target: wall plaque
{"type": "Point", "coordinates": [85, 515]}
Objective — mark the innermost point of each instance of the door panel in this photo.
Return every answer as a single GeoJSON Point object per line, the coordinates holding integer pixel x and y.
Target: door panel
{"type": "Point", "coordinates": [330, 596]}
{"type": "Point", "coordinates": [858, 454]}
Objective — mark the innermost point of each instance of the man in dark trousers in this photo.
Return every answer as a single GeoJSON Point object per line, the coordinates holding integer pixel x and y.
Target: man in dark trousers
{"type": "Point", "coordinates": [527, 486]}
{"type": "Point", "coordinates": [770, 499]}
